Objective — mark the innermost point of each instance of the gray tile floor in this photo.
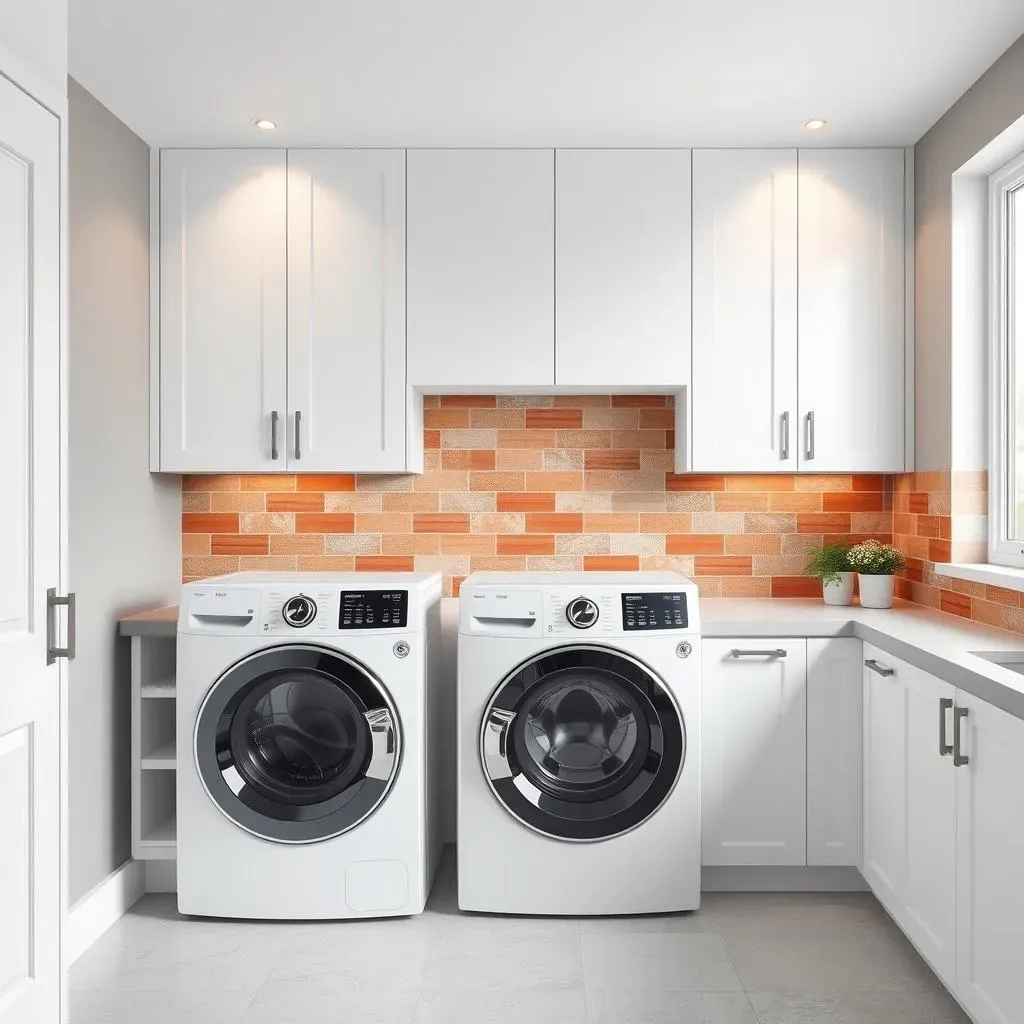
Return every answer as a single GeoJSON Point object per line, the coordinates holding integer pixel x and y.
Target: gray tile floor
{"type": "Point", "coordinates": [742, 959]}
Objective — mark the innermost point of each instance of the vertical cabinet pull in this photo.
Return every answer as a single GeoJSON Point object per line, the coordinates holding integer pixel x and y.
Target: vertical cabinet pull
{"type": "Point", "coordinates": [298, 427]}
{"type": "Point", "coordinates": [273, 434]}
{"type": "Point", "coordinates": [784, 436]}
{"type": "Point", "coordinates": [945, 704]}
{"type": "Point", "coordinates": [809, 441]}
{"type": "Point", "coordinates": [53, 602]}
{"type": "Point", "coordinates": [959, 757]}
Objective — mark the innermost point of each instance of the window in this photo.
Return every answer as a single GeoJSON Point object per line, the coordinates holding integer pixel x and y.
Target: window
{"type": "Point", "coordinates": [1006, 455]}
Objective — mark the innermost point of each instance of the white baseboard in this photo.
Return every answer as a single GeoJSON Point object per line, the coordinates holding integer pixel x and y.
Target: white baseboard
{"type": "Point", "coordinates": [161, 875]}
{"type": "Point", "coordinates": [95, 912]}
{"type": "Point", "coordinates": [782, 879]}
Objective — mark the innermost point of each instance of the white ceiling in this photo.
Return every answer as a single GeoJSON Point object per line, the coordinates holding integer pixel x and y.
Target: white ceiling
{"type": "Point", "coordinates": [534, 72]}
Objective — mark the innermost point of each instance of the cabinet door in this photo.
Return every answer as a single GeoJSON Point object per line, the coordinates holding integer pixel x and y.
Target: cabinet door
{"type": "Point", "coordinates": [851, 310]}
{"type": "Point", "coordinates": [990, 853]}
{"type": "Point", "coordinates": [622, 267]}
{"type": "Point", "coordinates": [885, 781]}
{"type": "Point", "coordinates": [835, 741]}
{"type": "Point", "coordinates": [929, 898]}
{"type": "Point", "coordinates": [744, 310]}
{"type": "Point", "coordinates": [481, 251]}
{"type": "Point", "coordinates": [222, 309]}
{"type": "Point", "coordinates": [346, 310]}
{"type": "Point", "coordinates": [753, 752]}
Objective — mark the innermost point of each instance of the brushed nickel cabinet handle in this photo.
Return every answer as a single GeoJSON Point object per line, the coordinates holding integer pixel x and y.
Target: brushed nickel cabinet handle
{"type": "Point", "coordinates": [959, 757]}
{"type": "Point", "coordinates": [273, 434]}
{"type": "Point", "coordinates": [53, 602]}
{"type": "Point", "coordinates": [784, 436]}
{"type": "Point", "coordinates": [809, 446]}
{"type": "Point", "coordinates": [877, 666]}
{"type": "Point", "coordinates": [777, 652]}
{"type": "Point", "coordinates": [945, 703]}
{"type": "Point", "coordinates": [298, 427]}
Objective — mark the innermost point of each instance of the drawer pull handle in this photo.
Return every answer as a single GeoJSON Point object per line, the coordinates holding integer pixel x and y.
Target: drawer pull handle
{"type": "Point", "coordinates": [877, 666]}
{"type": "Point", "coordinates": [777, 652]}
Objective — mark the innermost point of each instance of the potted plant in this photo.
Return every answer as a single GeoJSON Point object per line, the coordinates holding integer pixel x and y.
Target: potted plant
{"type": "Point", "coordinates": [875, 563]}
{"type": "Point", "coordinates": [831, 565]}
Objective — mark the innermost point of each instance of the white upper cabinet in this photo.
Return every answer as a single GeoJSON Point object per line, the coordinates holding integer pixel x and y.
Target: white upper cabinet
{"type": "Point", "coordinates": [622, 267]}
{"type": "Point", "coordinates": [744, 310]}
{"type": "Point", "coordinates": [346, 309]}
{"type": "Point", "coordinates": [754, 752]}
{"type": "Point", "coordinates": [851, 310]}
{"type": "Point", "coordinates": [834, 752]}
{"type": "Point", "coordinates": [481, 250]}
{"type": "Point", "coordinates": [222, 309]}
{"type": "Point", "coordinates": [282, 311]}
{"type": "Point", "coordinates": [990, 852]}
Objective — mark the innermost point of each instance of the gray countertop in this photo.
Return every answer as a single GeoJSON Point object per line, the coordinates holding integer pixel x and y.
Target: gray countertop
{"type": "Point", "coordinates": [934, 641]}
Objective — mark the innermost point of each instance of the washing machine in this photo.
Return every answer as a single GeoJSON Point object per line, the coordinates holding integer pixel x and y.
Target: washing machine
{"type": "Point", "coordinates": [304, 785]}
{"type": "Point", "coordinates": [579, 744]}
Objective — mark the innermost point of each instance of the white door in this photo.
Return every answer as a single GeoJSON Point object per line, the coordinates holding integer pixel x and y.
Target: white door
{"type": "Point", "coordinates": [885, 780]}
{"type": "Point", "coordinates": [480, 265]}
{"type": "Point", "coordinates": [835, 742]}
{"type": "Point", "coordinates": [990, 855]}
{"type": "Point", "coordinates": [929, 895]}
{"type": "Point", "coordinates": [346, 310]}
{"type": "Point", "coordinates": [744, 310]}
{"type": "Point", "coordinates": [851, 310]}
{"type": "Point", "coordinates": [30, 425]}
{"type": "Point", "coordinates": [753, 752]}
{"type": "Point", "coordinates": [223, 308]}
{"type": "Point", "coordinates": [622, 267]}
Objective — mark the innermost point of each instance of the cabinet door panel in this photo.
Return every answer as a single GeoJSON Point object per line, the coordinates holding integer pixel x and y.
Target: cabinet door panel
{"type": "Point", "coordinates": [481, 249]}
{"type": "Point", "coordinates": [346, 310]}
{"type": "Point", "coordinates": [835, 740]}
{"type": "Point", "coordinates": [990, 852]}
{"type": "Point", "coordinates": [622, 267]}
{"type": "Point", "coordinates": [885, 783]}
{"type": "Point", "coordinates": [753, 753]}
{"type": "Point", "coordinates": [744, 310]}
{"type": "Point", "coordinates": [851, 310]}
{"type": "Point", "coordinates": [222, 309]}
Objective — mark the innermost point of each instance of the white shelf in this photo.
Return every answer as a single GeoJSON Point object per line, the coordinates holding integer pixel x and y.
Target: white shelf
{"type": "Point", "coordinates": [159, 688]}
{"type": "Point", "coordinates": [163, 757]}
{"type": "Point", "coordinates": [163, 834]}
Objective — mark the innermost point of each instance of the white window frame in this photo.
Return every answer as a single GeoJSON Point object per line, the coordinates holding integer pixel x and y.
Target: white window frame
{"type": "Point", "coordinates": [1005, 181]}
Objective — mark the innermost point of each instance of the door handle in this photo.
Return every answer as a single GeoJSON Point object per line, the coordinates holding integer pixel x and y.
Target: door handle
{"type": "Point", "coordinates": [273, 434]}
{"type": "Point", "coordinates": [945, 703]}
{"type": "Point", "coordinates": [777, 652]}
{"type": "Point", "coordinates": [298, 427]}
{"type": "Point", "coordinates": [784, 436]}
{"type": "Point", "coordinates": [53, 602]}
{"type": "Point", "coordinates": [877, 666]}
{"type": "Point", "coordinates": [959, 758]}
{"type": "Point", "coordinates": [809, 440]}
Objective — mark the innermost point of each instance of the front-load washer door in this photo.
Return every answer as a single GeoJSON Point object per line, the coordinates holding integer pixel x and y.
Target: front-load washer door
{"type": "Point", "coordinates": [297, 743]}
{"type": "Point", "coordinates": [582, 743]}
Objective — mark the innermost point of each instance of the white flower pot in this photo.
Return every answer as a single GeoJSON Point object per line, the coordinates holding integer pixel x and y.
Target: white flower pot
{"type": "Point", "coordinates": [841, 591]}
{"type": "Point", "coordinates": [875, 591]}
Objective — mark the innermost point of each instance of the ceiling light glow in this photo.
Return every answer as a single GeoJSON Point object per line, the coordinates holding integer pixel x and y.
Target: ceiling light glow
{"type": "Point", "coordinates": [264, 124]}
{"type": "Point", "coordinates": [815, 123]}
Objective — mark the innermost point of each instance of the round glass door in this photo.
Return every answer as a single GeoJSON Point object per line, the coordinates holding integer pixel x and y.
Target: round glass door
{"type": "Point", "coordinates": [297, 743]}
{"type": "Point", "coordinates": [582, 743]}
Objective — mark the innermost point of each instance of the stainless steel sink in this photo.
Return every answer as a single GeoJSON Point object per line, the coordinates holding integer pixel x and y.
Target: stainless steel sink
{"type": "Point", "coordinates": [1013, 660]}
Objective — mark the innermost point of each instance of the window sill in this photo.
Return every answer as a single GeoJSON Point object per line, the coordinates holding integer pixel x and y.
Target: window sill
{"type": "Point", "coordinates": [982, 572]}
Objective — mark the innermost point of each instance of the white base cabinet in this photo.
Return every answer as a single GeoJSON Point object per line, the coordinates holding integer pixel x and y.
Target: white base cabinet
{"type": "Point", "coordinates": [753, 752]}
{"type": "Point", "coordinates": [990, 863]}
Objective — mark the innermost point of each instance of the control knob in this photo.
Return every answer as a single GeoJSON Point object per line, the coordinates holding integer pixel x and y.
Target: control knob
{"type": "Point", "coordinates": [299, 610]}
{"type": "Point", "coordinates": [582, 612]}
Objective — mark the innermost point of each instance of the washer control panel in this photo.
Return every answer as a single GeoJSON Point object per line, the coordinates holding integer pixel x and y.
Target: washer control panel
{"type": "Point", "coordinates": [654, 611]}
{"type": "Point", "coordinates": [373, 609]}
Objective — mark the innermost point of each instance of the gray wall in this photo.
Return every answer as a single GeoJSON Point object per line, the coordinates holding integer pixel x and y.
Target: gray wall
{"type": "Point", "coordinates": [124, 524]}
{"type": "Point", "coordinates": [993, 103]}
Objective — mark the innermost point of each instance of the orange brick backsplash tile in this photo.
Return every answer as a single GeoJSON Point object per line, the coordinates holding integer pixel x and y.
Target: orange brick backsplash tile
{"type": "Point", "coordinates": [582, 482]}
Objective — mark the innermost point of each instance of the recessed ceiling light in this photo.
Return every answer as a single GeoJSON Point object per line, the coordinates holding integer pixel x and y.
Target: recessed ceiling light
{"type": "Point", "coordinates": [266, 125]}
{"type": "Point", "coordinates": [815, 123]}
